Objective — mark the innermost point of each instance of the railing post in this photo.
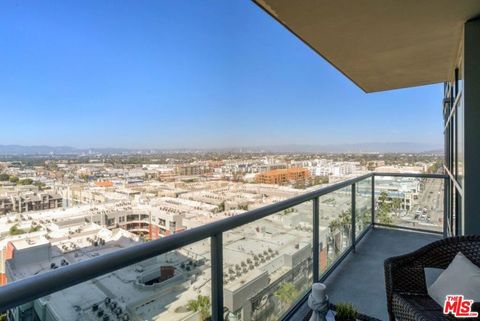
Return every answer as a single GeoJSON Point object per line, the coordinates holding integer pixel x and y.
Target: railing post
{"type": "Point", "coordinates": [446, 216]}
{"type": "Point", "coordinates": [373, 200]}
{"type": "Point", "coordinates": [354, 214]}
{"type": "Point", "coordinates": [216, 248]}
{"type": "Point", "coordinates": [316, 240]}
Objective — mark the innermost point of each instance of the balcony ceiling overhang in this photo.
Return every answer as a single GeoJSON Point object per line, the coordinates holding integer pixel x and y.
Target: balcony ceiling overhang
{"type": "Point", "coordinates": [380, 44]}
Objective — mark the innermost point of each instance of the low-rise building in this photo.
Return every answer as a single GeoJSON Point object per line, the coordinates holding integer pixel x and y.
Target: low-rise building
{"type": "Point", "coordinates": [283, 176]}
{"type": "Point", "coordinates": [33, 201]}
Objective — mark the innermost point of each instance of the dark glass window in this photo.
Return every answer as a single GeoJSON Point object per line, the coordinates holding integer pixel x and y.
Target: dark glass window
{"type": "Point", "coordinates": [460, 144]}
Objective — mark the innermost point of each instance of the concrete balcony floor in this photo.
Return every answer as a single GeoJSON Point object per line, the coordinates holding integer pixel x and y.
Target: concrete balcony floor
{"type": "Point", "coordinates": [360, 278]}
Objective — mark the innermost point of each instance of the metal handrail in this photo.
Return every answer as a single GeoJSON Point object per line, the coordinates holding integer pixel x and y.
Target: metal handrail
{"type": "Point", "coordinates": [34, 287]}
{"type": "Point", "coordinates": [412, 175]}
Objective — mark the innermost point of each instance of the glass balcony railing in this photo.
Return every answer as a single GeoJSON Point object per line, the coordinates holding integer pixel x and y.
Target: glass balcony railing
{"type": "Point", "coordinates": [268, 264]}
{"type": "Point", "coordinates": [335, 226]}
{"type": "Point", "coordinates": [410, 202]}
{"type": "Point", "coordinates": [363, 206]}
{"type": "Point", "coordinates": [256, 266]}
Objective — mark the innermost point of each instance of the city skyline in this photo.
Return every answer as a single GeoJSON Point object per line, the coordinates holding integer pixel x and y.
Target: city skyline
{"type": "Point", "coordinates": [126, 75]}
{"type": "Point", "coordinates": [397, 147]}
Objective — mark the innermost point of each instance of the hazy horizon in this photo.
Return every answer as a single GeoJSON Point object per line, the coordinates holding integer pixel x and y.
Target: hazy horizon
{"type": "Point", "coordinates": [399, 147]}
{"type": "Point", "coordinates": [175, 75]}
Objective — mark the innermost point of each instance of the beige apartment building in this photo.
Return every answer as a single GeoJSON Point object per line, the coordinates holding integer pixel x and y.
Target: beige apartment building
{"type": "Point", "coordinates": [283, 176]}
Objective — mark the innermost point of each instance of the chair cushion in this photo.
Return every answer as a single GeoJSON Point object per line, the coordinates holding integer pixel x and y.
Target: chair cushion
{"type": "Point", "coordinates": [460, 277]}
{"type": "Point", "coordinates": [416, 307]}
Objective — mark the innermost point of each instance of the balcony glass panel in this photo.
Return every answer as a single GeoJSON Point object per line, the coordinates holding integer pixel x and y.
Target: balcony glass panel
{"type": "Point", "coordinates": [335, 226]}
{"type": "Point", "coordinates": [363, 206]}
{"type": "Point", "coordinates": [173, 286]}
{"type": "Point", "coordinates": [268, 264]}
{"type": "Point", "coordinates": [410, 202]}
{"type": "Point", "coordinates": [460, 143]}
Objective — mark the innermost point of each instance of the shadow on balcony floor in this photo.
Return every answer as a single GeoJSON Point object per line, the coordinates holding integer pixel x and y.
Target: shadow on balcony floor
{"type": "Point", "coordinates": [360, 278]}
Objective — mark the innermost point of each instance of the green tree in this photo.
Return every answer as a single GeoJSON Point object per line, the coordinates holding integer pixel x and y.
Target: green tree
{"type": "Point", "coordinates": [26, 181]}
{"type": "Point", "coordinates": [287, 293]}
{"type": "Point", "coordinates": [346, 220]}
{"type": "Point", "coordinates": [396, 205]}
{"type": "Point", "coordinates": [435, 167]}
{"type": "Point", "coordinates": [14, 230]}
{"type": "Point", "coordinates": [39, 184]}
{"type": "Point", "coordinates": [35, 228]}
{"type": "Point", "coordinates": [344, 225]}
{"type": "Point", "coordinates": [384, 209]}
{"type": "Point", "coordinates": [13, 179]}
{"type": "Point", "coordinates": [334, 227]}
{"type": "Point", "coordinates": [51, 166]}
{"type": "Point", "coordinates": [366, 217]}
{"type": "Point", "coordinates": [4, 177]}
{"type": "Point", "coordinates": [201, 304]}
{"type": "Point", "coordinates": [383, 199]}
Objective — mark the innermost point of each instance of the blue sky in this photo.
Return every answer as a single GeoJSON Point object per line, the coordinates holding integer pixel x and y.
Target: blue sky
{"type": "Point", "coordinates": [171, 74]}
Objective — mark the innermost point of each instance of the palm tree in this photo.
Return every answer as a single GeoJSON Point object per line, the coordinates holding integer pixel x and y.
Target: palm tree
{"type": "Point", "coordinates": [286, 293]}
{"type": "Point", "coordinates": [384, 209]}
{"type": "Point", "coordinates": [346, 220]}
{"type": "Point", "coordinates": [366, 217]}
{"type": "Point", "coordinates": [202, 305]}
{"type": "Point", "coordinates": [382, 199]}
{"type": "Point", "coordinates": [334, 226]}
{"type": "Point", "coordinates": [396, 203]}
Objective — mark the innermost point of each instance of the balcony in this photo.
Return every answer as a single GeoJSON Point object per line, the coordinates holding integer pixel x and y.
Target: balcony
{"type": "Point", "coordinates": [255, 266]}
{"type": "Point", "coordinates": [360, 277]}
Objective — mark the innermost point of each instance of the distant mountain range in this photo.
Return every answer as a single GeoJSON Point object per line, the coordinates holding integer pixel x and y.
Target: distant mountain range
{"type": "Point", "coordinates": [399, 147]}
{"type": "Point", "coordinates": [59, 150]}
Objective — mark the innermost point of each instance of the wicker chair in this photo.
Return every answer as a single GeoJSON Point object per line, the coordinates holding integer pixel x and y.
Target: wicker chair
{"type": "Point", "coordinates": [407, 296]}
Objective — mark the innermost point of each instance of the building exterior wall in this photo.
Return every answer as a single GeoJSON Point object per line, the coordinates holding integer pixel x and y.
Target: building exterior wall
{"type": "Point", "coordinates": [6, 254]}
{"type": "Point", "coordinates": [27, 203]}
{"type": "Point", "coordinates": [461, 110]}
{"type": "Point", "coordinates": [283, 176]}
